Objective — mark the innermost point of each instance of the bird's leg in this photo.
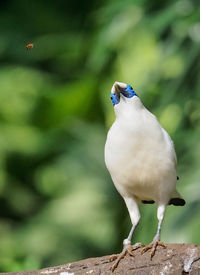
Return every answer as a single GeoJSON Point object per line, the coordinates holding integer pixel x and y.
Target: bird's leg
{"type": "Point", "coordinates": [156, 239]}
{"type": "Point", "coordinates": [127, 249]}
{"type": "Point", "coordinates": [127, 243]}
{"type": "Point", "coordinates": [133, 209]}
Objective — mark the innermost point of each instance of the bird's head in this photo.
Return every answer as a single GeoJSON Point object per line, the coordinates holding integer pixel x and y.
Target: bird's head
{"type": "Point", "coordinates": [121, 91]}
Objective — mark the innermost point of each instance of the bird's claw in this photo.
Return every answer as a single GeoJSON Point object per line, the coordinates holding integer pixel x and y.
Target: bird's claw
{"type": "Point", "coordinates": [153, 247]}
{"type": "Point", "coordinates": [118, 257]}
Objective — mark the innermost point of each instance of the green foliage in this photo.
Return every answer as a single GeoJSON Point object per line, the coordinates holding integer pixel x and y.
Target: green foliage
{"type": "Point", "coordinates": [58, 203]}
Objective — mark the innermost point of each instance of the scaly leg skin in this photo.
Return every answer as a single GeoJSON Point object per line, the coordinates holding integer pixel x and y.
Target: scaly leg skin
{"type": "Point", "coordinates": [156, 241]}
{"type": "Point", "coordinates": [126, 250]}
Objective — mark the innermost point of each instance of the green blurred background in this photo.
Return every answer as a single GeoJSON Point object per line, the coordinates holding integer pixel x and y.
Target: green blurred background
{"type": "Point", "coordinates": [57, 201]}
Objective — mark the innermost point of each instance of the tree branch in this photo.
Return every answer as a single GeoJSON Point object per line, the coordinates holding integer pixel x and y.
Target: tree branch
{"type": "Point", "coordinates": [176, 259]}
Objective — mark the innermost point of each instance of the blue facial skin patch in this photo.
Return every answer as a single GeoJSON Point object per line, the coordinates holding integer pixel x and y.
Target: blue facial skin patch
{"type": "Point", "coordinates": [127, 92]}
{"type": "Point", "coordinates": [114, 99]}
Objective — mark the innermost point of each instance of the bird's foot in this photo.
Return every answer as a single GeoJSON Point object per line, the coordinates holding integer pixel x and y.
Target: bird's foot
{"type": "Point", "coordinates": [153, 247]}
{"type": "Point", "coordinates": [127, 250]}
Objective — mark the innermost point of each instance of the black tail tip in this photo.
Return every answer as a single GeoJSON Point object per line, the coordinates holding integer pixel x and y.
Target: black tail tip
{"type": "Point", "coordinates": [177, 202]}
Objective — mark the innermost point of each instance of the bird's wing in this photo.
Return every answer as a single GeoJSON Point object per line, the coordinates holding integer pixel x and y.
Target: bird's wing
{"type": "Point", "coordinates": [171, 145]}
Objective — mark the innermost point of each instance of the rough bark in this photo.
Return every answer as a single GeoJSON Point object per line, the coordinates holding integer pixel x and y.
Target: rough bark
{"type": "Point", "coordinates": [176, 259]}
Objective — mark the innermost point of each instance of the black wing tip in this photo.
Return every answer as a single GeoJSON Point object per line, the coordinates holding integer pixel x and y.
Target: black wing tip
{"type": "Point", "coordinates": [177, 202]}
{"type": "Point", "coordinates": [148, 202]}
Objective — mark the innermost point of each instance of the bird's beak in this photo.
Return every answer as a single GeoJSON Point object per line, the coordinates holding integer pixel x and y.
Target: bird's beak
{"type": "Point", "coordinates": [117, 88]}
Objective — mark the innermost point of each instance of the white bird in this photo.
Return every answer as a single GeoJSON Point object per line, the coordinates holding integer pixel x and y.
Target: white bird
{"type": "Point", "coordinates": [141, 159]}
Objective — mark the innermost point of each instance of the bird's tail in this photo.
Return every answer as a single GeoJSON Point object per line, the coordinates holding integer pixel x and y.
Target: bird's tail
{"type": "Point", "coordinates": [176, 200]}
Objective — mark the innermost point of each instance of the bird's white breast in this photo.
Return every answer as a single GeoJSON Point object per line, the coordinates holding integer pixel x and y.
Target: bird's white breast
{"type": "Point", "coordinates": [140, 155]}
